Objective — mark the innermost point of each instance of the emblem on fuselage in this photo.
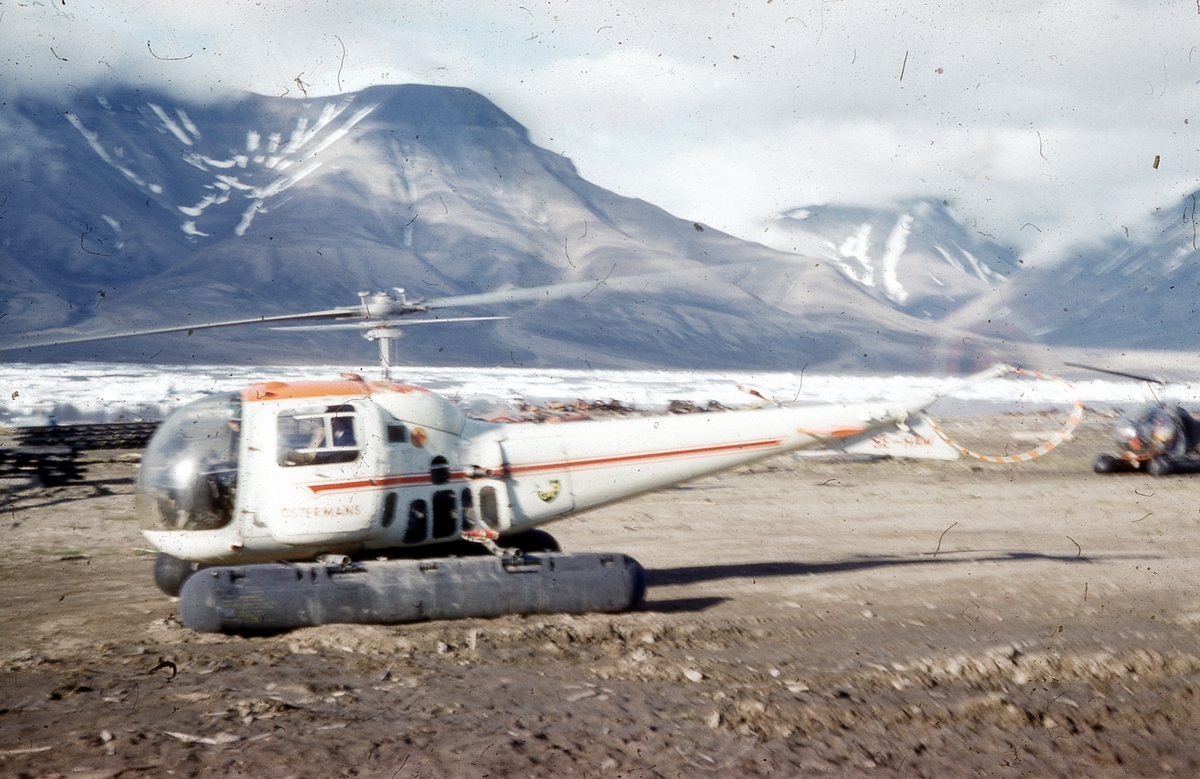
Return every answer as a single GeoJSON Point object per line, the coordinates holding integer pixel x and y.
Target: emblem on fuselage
{"type": "Point", "coordinates": [552, 492]}
{"type": "Point", "coordinates": [419, 437]}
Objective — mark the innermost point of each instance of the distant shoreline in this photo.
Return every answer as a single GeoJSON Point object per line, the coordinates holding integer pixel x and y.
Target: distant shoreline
{"type": "Point", "coordinates": [110, 392]}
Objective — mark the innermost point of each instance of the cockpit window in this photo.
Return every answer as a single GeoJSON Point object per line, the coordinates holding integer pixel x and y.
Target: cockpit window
{"type": "Point", "coordinates": [317, 437]}
{"type": "Point", "coordinates": [188, 478]}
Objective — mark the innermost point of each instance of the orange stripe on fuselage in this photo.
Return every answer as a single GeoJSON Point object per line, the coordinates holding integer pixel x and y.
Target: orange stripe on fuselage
{"type": "Point", "coordinates": [281, 390]}
{"type": "Point", "coordinates": [840, 433]}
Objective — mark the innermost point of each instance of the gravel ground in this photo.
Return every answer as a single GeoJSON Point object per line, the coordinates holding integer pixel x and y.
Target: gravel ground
{"type": "Point", "coordinates": [804, 618]}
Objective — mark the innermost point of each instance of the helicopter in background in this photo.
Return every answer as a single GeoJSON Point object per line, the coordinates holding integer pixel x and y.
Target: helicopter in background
{"type": "Point", "coordinates": [1155, 438]}
{"type": "Point", "coordinates": [304, 503]}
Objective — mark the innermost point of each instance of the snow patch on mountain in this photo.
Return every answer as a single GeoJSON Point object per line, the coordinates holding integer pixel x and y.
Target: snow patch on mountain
{"type": "Point", "coordinates": [897, 242]}
{"type": "Point", "coordinates": [173, 128]}
{"type": "Point", "coordinates": [260, 178]}
{"type": "Point", "coordinates": [856, 247]}
{"type": "Point", "coordinates": [93, 140]}
{"type": "Point", "coordinates": [929, 265]}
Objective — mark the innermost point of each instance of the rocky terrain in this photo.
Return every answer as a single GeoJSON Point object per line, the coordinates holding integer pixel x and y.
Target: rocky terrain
{"type": "Point", "coordinates": [805, 617]}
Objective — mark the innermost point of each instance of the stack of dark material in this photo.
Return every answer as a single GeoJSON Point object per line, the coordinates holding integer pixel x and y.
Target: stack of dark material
{"type": "Point", "coordinates": [52, 465]}
{"type": "Point", "coordinates": [117, 435]}
{"type": "Point", "coordinates": [51, 453]}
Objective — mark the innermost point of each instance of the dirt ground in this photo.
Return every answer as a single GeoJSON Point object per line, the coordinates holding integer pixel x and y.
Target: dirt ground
{"type": "Point", "coordinates": [804, 618]}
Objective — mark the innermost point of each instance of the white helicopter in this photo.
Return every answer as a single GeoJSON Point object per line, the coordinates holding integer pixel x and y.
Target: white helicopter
{"type": "Point", "coordinates": [348, 472]}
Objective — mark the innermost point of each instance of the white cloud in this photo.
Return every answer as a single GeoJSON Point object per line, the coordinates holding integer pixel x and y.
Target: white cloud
{"type": "Point", "coordinates": [1039, 120]}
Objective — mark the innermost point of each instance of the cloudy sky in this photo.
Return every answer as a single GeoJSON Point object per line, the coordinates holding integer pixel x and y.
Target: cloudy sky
{"type": "Point", "coordinates": [1039, 121]}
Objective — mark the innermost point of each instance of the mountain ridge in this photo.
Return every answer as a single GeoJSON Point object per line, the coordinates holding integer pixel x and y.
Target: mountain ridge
{"type": "Point", "coordinates": [142, 209]}
{"type": "Point", "coordinates": [134, 208]}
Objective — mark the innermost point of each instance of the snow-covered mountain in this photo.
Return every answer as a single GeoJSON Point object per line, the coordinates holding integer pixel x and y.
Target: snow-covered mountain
{"type": "Point", "coordinates": [136, 209]}
{"type": "Point", "coordinates": [1136, 294]}
{"type": "Point", "coordinates": [919, 259]}
{"type": "Point", "coordinates": [915, 257]}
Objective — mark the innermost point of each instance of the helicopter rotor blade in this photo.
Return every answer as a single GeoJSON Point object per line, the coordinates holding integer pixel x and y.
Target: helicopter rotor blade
{"type": "Point", "coordinates": [361, 311]}
{"type": "Point", "coordinates": [1116, 373]}
{"type": "Point", "coordinates": [50, 339]}
{"type": "Point", "coordinates": [377, 325]}
{"type": "Point", "coordinates": [550, 291]}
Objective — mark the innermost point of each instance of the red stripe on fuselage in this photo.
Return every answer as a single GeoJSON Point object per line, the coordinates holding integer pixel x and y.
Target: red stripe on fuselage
{"type": "Point", "coordinates": [383, 482]}
{"type": "Point", "coordinates": [622, 459]}
{"type": "Point", "coordinates": [421, 479]}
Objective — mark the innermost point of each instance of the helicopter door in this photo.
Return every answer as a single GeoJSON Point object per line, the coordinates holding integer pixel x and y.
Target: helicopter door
{"type": "Point", "coordinates": [320, 486]}
{"type": "Point", "coordinates": [539, 484]}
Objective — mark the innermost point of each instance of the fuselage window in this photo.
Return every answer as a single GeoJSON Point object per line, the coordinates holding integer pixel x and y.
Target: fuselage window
{"type": "Point", "coordinates": [397, 433]}
{"type": "Point", "coordinates": [417, 529]}
{"type": "Point", "coordinates": [470, 515]}
{"type": "Point", "coordinates": [489, 512]}
{"type": "Point", "coordinates": [389, 510]}
{"type": "Point", "coordinates": [445, 514]}
{"type": "Point", "coordinates": [317, 438]}
{"type": "Point", "coordinates": [439, 470]}
{"type": "Point", "coordinates": [343, 431]}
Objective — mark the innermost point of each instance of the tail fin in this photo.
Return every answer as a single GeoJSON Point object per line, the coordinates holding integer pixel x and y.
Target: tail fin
{"type": "Point", "coordinates": [916, 440]}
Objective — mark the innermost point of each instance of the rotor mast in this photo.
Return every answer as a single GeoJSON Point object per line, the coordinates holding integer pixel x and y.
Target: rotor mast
{"type": "Point", "coordinates": [383, 337]}
{"type": "Point", "coordinates": [381, 306]}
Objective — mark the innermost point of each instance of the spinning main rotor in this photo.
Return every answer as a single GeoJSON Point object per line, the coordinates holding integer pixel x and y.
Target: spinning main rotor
{"type": "Point", "coordinates": [380, 315]}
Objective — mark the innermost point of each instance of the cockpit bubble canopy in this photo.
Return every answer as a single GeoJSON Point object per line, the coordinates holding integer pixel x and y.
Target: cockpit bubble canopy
{"type": "Point", "coordinates": [188, 478]}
